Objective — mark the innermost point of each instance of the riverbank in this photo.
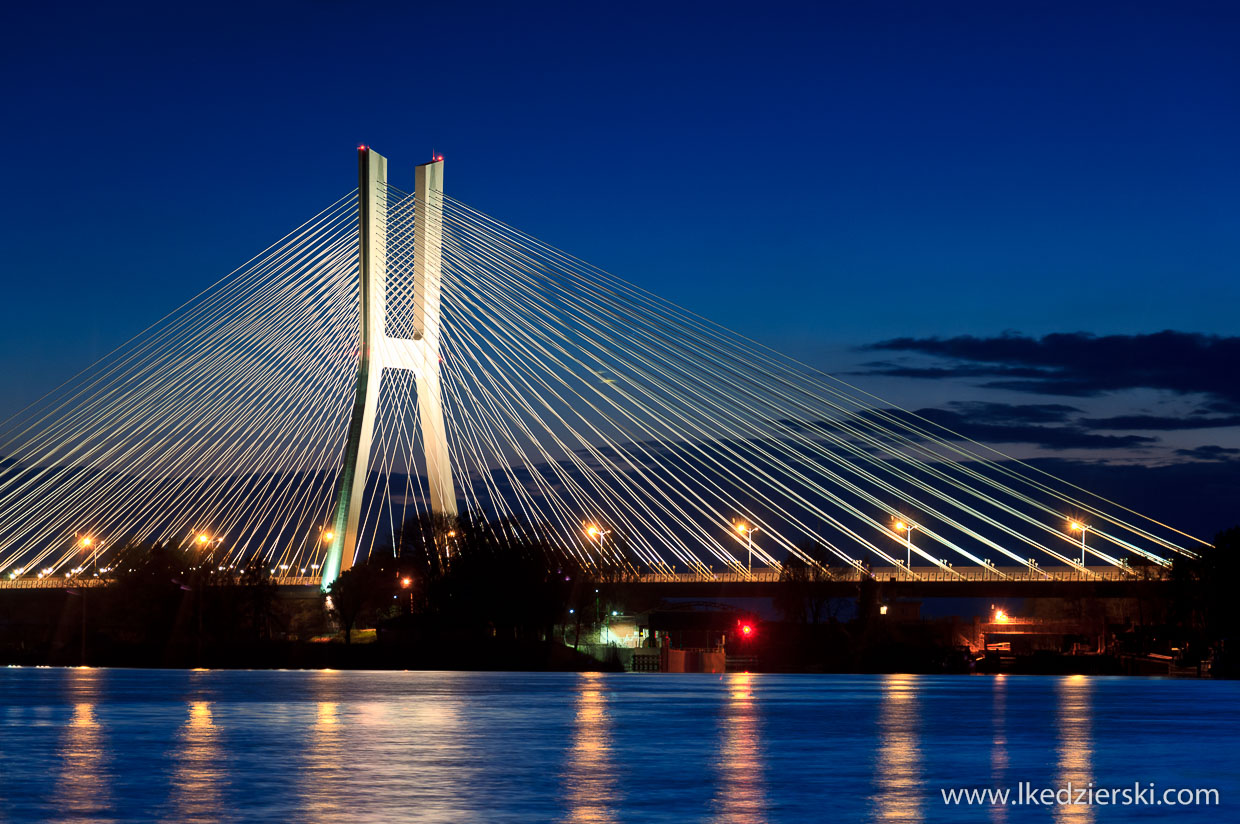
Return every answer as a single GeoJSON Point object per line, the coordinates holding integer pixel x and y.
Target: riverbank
{"type": "Point", "coordinates": [64, 628]}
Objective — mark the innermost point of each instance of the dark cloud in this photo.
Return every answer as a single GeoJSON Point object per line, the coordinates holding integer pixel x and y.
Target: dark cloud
{"type": "Point", "coordinates": [1048, 425]}
{"type": "Point", "coordinates": [1210, 453]}
{"type": "Point", "coordinates": [1081, 364]}
{"type": "Point", "coordinates": [1162, 423]}
{"type": "Point", "coordinates": [958, 370]}
{"type": "Point", "coordinates": [1015, 413]}
{"type": "Point", "coordinates": [995, 423]}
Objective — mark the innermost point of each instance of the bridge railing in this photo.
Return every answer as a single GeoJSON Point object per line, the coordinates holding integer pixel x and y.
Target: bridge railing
{"type": "Point", "coordinates": [50, 582]}
{"type": "Point", "coordinates": [297, 581]}
{"type": "Point", "coordinates": [887, 574]}
{"type": "Point", "coordinates": [881, 574]}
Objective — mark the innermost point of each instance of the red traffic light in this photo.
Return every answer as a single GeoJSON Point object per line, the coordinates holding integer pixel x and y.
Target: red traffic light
{"type": "Point", "coordinates": [747, 630]}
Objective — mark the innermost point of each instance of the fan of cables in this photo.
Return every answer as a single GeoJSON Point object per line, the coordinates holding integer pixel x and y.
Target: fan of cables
{"type": "Point", "coordinates": [624, 426]}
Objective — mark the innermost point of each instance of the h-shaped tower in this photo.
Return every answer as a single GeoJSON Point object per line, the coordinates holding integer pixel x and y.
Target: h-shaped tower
{"type": "Point", "coordinates": [378, 351]}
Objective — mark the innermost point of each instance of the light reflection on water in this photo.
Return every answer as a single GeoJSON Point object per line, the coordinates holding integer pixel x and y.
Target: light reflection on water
{"type": "Point", "coordinates": [117, 745]}
{"type": "Point", "coordinates": [741, 797]}
{"type": "Point", "coordinates": [82, 788]}
{"type": "Point", "coordinates": [1075, 745]}
{"type": "Point", "coordinates": [199, 773]}
{"type": "Point", "coordinates": [999, 747]}
{"type": "Point", "coordinates": [897, 769]}
{"type": "Point", "coordinates": [326, 766]}
{"type": "Point", "coordinates": [590, 775]}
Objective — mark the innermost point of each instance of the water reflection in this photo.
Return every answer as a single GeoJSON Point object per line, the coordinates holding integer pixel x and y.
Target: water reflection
{"type": "Point", "coordinates": [525, 748]}
{"type": "Point", "coordinates": [323, 779]}
{"type": "Point", "coordinates": [1075, 748]}
{"type": "Point", "coordinates": [82, 789]}
{"type": "Point", "coordinates": [199, 775]}
{"type": "Point", "coordinates": [897, 762]}
{"type": "Point", "coordinates": [590, 775]}
{"type": "Point", "coordinates": [999, 745]}
{"type": "Point", "coordinates": [741, 782]}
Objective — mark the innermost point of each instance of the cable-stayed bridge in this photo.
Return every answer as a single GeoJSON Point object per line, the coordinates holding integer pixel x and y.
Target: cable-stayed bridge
{"type": "Point", "coordinates": [402, 355]}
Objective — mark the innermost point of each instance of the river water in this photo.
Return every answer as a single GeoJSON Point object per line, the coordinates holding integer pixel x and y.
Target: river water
{"type": "Point", "coordinates": [187, 746]}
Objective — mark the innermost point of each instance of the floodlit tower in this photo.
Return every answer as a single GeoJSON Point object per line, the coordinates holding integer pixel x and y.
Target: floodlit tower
{"type": "Point", "coordinates": [378, 351]}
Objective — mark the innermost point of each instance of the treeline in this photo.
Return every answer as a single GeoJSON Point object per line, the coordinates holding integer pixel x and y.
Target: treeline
{"type": "Point", "coordinates": [449, 582]}
{"type": "Point", "coordinates": [159, 605]}
{"type": "Point", "coordinates": [505, 578]}
{"type": "Point", "coordinates": [1201, 616]}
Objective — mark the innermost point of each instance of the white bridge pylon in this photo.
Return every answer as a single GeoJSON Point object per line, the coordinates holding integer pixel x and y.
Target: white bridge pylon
{"type": "Point", "coordinates": [378, 351]}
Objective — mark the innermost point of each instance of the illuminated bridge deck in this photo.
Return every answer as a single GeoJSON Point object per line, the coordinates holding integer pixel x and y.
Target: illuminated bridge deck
{"type": "Point", "coordinates": [925, 582]}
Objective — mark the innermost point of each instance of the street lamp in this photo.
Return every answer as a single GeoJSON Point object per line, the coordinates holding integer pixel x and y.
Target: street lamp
{"type": "Point", "coordinates": [88, 543]}
{"type": "Point", "coordinates": [907, 528]}
{"type": "Point", "coordinates": [596, 532]}
{"type": "Point", "coordinates": [747, 530]}
{"type": "Point", "coordinates": [1077, 526]}
{"type": "Point", "coordinates": [407, 583]}
{"type": "Point", "coordinates": [209, 544]}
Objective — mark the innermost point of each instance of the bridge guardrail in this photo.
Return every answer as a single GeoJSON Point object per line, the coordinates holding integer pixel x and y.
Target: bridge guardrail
{"type": "Point", "coordinates": [881, 574]}
{"type": "Point", "coordinates": [886, 574]}
{"type": "Point", "coordinates": [52, 582]}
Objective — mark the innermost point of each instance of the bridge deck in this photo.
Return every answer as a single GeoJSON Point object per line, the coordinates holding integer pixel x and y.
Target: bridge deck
{"type": "Point", "coordinates": [920, 579]}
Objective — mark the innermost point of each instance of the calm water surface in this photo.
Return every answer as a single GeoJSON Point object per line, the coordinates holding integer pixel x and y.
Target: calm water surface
{"type": "Point", "coordinates": [176, 746]}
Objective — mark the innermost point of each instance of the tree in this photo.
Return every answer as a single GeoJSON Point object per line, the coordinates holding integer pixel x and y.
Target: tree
{"type": "Point", "coordinates": [146, 588]}
{"type": "Point", "coordinates": [508, 575]}
{"type": "Point", "coordinates": [805, 586]}
{"type": "Point", "coordinates": [256, 591]}
{"type": "Point", "coordinates": [426, 543]}
{"type": "Point", "coordinates": [1201, 602]}
{"type": "Point", "coordinates": [355, 593]}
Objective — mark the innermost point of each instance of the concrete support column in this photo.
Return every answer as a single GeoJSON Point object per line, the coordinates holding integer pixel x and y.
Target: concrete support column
{"type": "Point", "coordinates": [372, 224]}
{"type": "Point", "coordinates": [427, 279]}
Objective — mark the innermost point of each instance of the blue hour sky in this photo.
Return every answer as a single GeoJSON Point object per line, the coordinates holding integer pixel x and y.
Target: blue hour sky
{"type": "Point", "coordinates": [913, 194]}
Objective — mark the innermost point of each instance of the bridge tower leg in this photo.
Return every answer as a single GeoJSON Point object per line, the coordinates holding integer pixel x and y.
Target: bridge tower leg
{"type": "Point", "coordinates": [427, 279]}
{"type": "Point", "coordinates": [372, 242]}
{"type": "Point", "coordinates": [378, 351]}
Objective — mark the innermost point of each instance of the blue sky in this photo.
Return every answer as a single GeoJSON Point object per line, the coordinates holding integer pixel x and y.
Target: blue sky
{"type": "Point", "coordinates": [821, 176]}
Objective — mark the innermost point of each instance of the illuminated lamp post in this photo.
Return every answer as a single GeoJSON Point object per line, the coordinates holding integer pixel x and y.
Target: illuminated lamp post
{"type": "Point", "coordinates": [89, 543]}
{"type": "Point", "coordinates": [596, 532]}
{"type": "Point", "coordinates": [747, 530]}
{"type": "Point", "coordinates": [907, 528]}
{"type": "Point", "coordinates": [1077, 526]}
